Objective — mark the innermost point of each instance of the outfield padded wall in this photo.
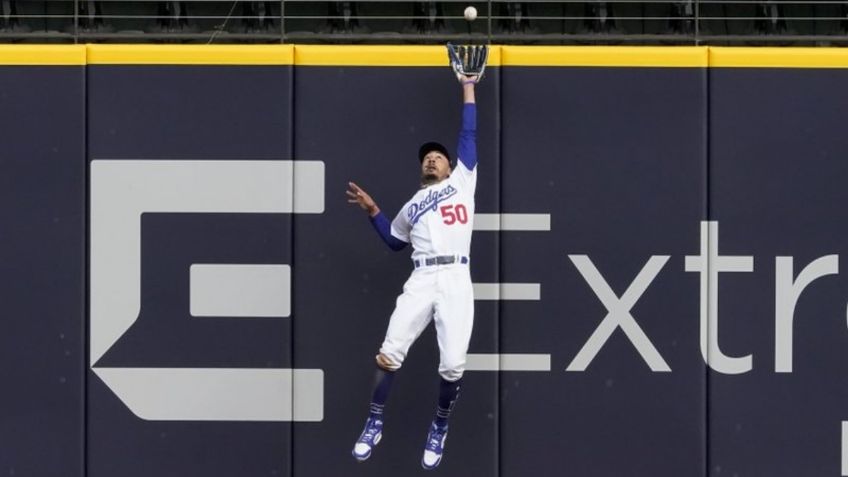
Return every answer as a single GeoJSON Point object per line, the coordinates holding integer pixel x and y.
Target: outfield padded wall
{"type": "Point", "coordinates": [42, 258]}
{"type": "Point", "coordinates": [152, 193]}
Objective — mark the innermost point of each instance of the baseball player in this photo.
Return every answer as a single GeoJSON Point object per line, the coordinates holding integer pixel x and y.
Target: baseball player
{"type": "Point", "coordinates": [437, 221]}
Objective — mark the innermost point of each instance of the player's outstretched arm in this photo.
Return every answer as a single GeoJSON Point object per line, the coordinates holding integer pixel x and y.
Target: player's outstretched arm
{"type": "Point", "coordinates": [467, 149]}
{"type": "Point", "coordinates": [355, 195]}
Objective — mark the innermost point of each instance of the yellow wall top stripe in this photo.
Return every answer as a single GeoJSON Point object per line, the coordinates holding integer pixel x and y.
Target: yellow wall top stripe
{"type": "Point", "coordinates": [633, 56]}
{"type": "Point", "coordinates": [379, 55]}
{"type": "Point", "coordinates": [730, 57]}
{"type": "Point", "coordinates": [431, 55]}
{"type": "Point", "coordinates": [190, 54]}
{"type": "Point", "coordinates": [42, 55]}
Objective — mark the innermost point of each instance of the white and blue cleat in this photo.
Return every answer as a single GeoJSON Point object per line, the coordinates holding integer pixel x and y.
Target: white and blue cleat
{"type": "Point", "coordinates": [369, 438]}
{"type": "Point", "coordinates": [435, 446]}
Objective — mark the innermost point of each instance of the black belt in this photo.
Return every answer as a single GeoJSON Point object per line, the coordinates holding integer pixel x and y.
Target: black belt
{"type": "Point", "coordinates": [439, 260]}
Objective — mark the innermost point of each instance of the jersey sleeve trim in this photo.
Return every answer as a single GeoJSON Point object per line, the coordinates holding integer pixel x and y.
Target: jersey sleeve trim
{"type": "Point", "coordinates": [382, 226]}
{"type": "Point", "coordinates": [467, 149]}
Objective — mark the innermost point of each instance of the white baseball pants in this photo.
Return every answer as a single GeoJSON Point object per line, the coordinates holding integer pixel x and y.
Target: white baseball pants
{"type": "Point", "coordinates": [442, 293]}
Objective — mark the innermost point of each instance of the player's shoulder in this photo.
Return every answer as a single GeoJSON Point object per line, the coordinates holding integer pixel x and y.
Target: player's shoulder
{"type": "Point", "coordinates": [460, 166]}
{"type": "Point", "coordinates": [462, 173]}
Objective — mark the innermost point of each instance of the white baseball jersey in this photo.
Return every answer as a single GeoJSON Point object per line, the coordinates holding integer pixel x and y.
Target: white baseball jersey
{"type": "Point", "coordinates": [438, 219]}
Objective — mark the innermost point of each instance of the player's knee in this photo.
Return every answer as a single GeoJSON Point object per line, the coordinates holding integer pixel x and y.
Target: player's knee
{"type": "Point", "coordinates": [452, 370]}
{"type": "Point", "coordinates": [387, 363]}
{"type": "Point", "coordinates": [451, 374]}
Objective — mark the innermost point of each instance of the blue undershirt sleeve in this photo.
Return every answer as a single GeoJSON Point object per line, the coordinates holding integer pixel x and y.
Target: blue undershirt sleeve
{"type": "Point", "coordinates": [467, 149]}
{"type": "Point", "coordinates": [383, 227]}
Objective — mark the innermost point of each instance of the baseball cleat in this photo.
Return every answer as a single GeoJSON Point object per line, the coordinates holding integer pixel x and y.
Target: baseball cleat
{"type": "Point", "coordinates": [369, 438]}
{"type": "Point", "coordinates": [435, 446]}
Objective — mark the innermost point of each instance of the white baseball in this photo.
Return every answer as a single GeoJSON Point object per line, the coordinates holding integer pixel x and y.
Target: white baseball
{"type": "Point", "coordinates": [470, 13]}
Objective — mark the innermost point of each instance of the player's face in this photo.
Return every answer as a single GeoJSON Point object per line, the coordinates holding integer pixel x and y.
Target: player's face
{"type": "Point", "coordinates": [434, 168]}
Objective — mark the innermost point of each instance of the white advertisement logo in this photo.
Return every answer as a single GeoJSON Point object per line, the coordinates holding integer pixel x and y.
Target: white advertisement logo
{"type": "Point", "coordinates": [121, 191]}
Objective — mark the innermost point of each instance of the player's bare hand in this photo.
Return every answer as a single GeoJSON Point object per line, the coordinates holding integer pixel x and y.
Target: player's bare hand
{"type": "Point", "coordinates": [355, 195]}
{"type": "Point", "coordinates": [468, 82]}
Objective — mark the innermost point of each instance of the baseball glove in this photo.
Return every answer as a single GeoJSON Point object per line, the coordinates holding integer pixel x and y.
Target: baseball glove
{"type": "Point", "coordinates": [468, 60]}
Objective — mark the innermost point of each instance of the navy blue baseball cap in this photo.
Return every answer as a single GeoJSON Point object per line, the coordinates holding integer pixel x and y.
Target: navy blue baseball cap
{"type": "Point", "coordinates": [429, 147]}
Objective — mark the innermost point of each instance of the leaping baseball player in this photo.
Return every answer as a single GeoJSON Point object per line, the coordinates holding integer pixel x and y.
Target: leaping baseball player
{"type": "Point", "coordinates": [437, 221]}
